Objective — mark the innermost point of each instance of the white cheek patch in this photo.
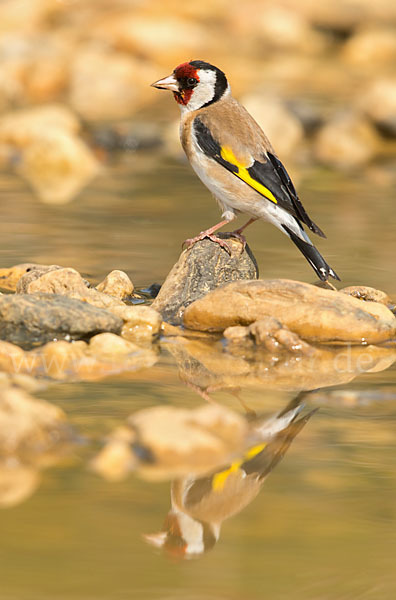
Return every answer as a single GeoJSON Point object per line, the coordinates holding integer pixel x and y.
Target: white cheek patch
{"type": "Point", "coordinates": [192, 532]}
{"type": "Point", "coordinates": [205, 90]}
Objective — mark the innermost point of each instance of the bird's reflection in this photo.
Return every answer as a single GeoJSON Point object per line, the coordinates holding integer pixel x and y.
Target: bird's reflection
{"type": "Point", "coordinates": [199, 505]}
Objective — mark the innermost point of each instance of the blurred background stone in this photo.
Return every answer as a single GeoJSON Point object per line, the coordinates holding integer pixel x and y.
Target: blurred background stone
{"type": "Point", "coordinates": [98, 60]}
{"type": "Point", "coordinates": [281, 126]}
{"type": "Point", "coordinates": [379, 103]}
{"type": "Point", "coordinates": [347, 141]}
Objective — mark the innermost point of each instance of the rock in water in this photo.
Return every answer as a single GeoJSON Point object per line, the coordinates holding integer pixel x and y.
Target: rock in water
{"type": "Point", "coordinates": [199, 270]}
{"type": "Point", "coordinates": [314, 314]}
{"type": "Point", "coordinates": [33, 319]}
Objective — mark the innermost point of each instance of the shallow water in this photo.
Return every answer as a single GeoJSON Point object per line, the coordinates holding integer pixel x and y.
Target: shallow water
{"type": "Point", "coordinates": [323, 526]}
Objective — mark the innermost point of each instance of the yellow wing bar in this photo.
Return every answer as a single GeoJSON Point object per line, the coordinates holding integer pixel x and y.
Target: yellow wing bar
{"type": "Point", "coordinates": [221, 477]}
{"type": "Point", "coordinates": [243, 173]}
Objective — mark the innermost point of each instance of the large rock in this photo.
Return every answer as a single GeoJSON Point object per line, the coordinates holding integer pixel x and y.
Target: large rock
{"type": "Point", "coordinates": [44, 146]}
{"type": "Point", "coordinates": [9, 276]}
{"type": "Point", "coordinates": [42, 278]}
{"type": "Point", "coordinates": [141, 322]}
{"type": "Point", "coordinates": [58, 166]}
{"type": "Point", "coordinates": [112, 78]}
{"type": "Point", "coordinates": [378, 101]}
{"type": "Point", "coordinates": [163, 38]}
{"type": "Point", "coordinates": [199, 270]}
{"type": "Point", "coordinates": [106, 354]}
{"type": "Point", "coordinates": [20, 127]}
{"type": "Point", "coordinates": [117, 284]}
{"type": "Point", "coordinates": [347, 141]}
{"type": "Point", "coordinates": [371, 48]}
{"type": "Point", "coordinates": [31, 320]}
{"type": "Point", "coordinates": [313, 313]}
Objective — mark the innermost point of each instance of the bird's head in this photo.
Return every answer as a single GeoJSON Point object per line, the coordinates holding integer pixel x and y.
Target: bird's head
{"type": "Point", "coordinates": [183, 537]}
{"type": "Point", "coordinates": [195, 84]}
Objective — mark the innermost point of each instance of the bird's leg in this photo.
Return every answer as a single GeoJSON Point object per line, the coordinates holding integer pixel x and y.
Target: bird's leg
{"type": "Point", "coordinates": [238, 232]}
{"type": "Point", "coordinates": [208, 233]}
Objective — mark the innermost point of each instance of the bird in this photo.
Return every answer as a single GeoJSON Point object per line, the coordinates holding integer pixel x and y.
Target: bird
{"type": "Point", "coordinates": [199, 505]}
{"type": "Point", "coordinates": [233, 157]}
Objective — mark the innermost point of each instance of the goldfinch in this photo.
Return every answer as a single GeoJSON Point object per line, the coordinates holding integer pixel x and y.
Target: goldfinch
{"type": "Point", "coordinates": [200, 505]}
{"type": "Point", "coordinates": [234, 159]}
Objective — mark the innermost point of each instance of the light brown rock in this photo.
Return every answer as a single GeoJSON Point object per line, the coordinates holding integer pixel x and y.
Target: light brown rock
{"type": "Point", "coordinates": [52, 158]}
{"type": "Point", "coordinates": [27, 425]}
{"type": "Point", "coordinates": [58, 166]}
{"type": "Point", "coordinates": [172, 442]}
{"type": "Point", "coordinates": [117, 284]}
{"type": "Point", "coordinates": [346, 141]}
{"type": "Point", "coordinates": [208, 367]}
{"type": "Point", "coordinates": [13, 359]}
{"type": "Point", "coordinates": [52, 280]}
{"type": "Point", "coordinates": [116, 459]}
{"type": "Point", "coordinates": [363, 292]}
{"type": "Point", "coordinates": [20, 128]}
{"type": "Point", "coordinates": [270, 334]}
{"type": "Point", "coordinates": [371, 48]}
{"type": "Point", "coordinates": [104, 84]}
{"type": "Point", "coordinates": [58, 360]}
{"type": "Point", "coordinates": [378, 101]}
{"type": "Point", "coordinates": [142, 324]}
{"type": "Point", "coordinates": [282, 28]}
{"type": "Point", "coordinates": [111, 346]}
{"type": "Point", "coordinates": [47, 78]}
{"type": "Point", "coordinates": [96, 368]}
{"type": "Point", "coordinates": [10, 276]}
{"type": "Point", "coordinates": [23, 14]}
{"type": "Point", "coordinates": [315, 314]}
{"type": "Point", "coordinates": [164, 38]}
{"type": "Point", "coordinates": [283, 129]}
{"type": "Point", "coordinates": [17, 483]}
{"type": "Point", "coordinates": [200, 269]}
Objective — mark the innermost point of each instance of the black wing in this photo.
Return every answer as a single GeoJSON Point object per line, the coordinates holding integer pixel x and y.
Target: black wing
{"type": "Point", "coordinates": [269, 178]}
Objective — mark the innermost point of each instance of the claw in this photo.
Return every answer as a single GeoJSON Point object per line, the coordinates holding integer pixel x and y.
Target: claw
{"type": "Point", "coordinates": [189, 243]}
{"type": "Point", "coordinates": [238, 235]}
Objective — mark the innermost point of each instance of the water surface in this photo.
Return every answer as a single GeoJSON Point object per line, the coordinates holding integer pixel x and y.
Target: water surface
{"type": "Point", "coordinates": [323, 526]}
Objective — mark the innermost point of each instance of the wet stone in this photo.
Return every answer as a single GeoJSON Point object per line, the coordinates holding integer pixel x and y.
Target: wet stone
{"type": "Point", "coordinates": [10, 276]}
{"type": "Point", "coordinates": [368, 294]}
{"type": "Point", "coordinates": [270, 334]}
{"type": "Point", "coordinates": [313, 313]}
{"type": "Point", "coordinates": [30, 320]}
{"type": "Point", "coordinates": [117, 284]}
{"type": "Point", "coordinates": [201, 269]}
{"type": "Point", "coordinates": [28, 284]}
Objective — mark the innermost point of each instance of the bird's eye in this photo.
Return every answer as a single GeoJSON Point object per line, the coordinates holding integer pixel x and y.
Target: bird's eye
{"type": "Point", "coordinates": [192, 81]}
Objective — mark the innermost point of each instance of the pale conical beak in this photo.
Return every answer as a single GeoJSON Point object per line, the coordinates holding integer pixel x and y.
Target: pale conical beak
{"type": "Point", "coordinates": [168, 83]}
{"type": "Point", "coordinates": [155, 539]}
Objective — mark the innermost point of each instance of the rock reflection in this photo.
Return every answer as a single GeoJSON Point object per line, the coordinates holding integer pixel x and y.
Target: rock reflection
{"type": "Point", "coordinates": [33, 435]}
{"type": "Point", "coordinates": [200, 505]}
{"type": "Point", "coordinates": [208, 366]}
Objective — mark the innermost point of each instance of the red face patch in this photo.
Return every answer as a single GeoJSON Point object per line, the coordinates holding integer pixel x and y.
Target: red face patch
{"type": "Point", "coordinates": [183, 73]}
{"type": "Point", "coordinates": [185, 70]}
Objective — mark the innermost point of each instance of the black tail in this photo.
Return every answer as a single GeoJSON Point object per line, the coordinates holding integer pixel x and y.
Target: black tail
{"type": "Point", "coordinates": [274, 451]}
{"type": "Point", "coordinates": [313, 256]}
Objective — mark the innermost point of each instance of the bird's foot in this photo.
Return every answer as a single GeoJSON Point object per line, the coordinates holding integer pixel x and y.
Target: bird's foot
{"type": "Point", "coordinates": [189, 243]}
{"type": "Point", "coordinates": [238, 235]}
